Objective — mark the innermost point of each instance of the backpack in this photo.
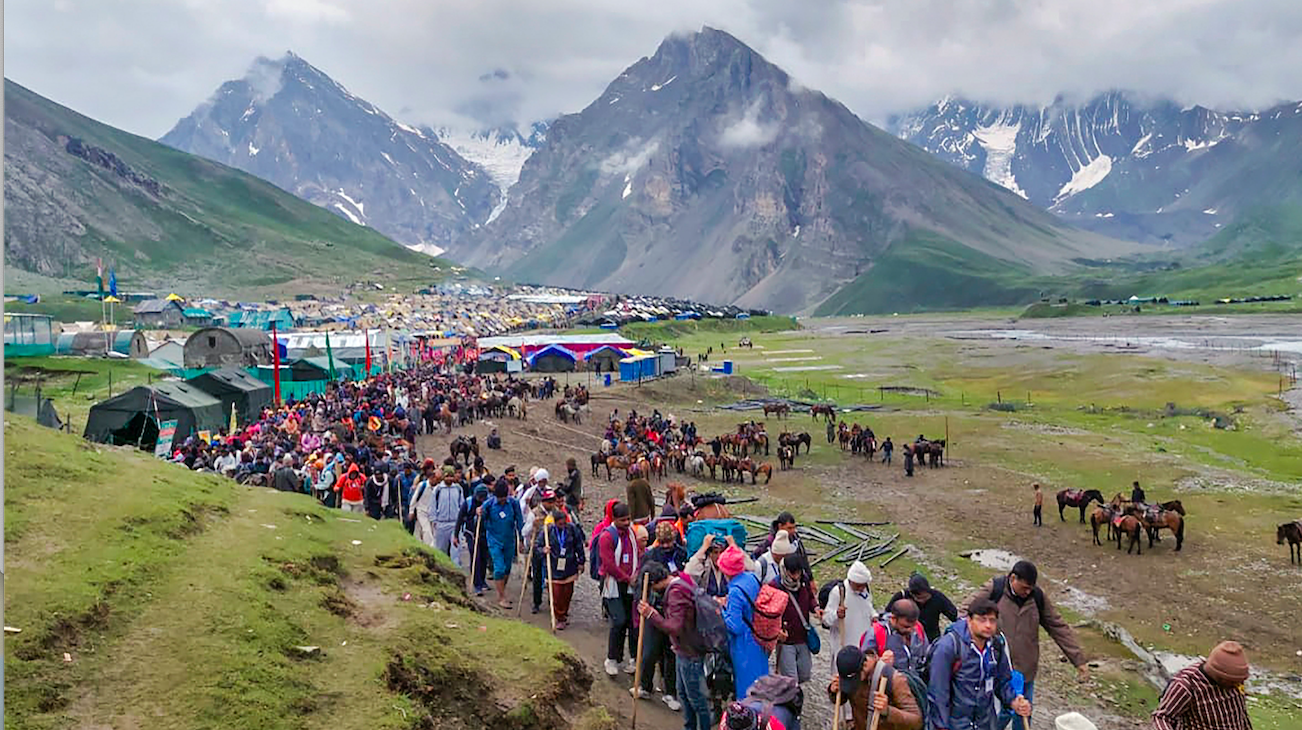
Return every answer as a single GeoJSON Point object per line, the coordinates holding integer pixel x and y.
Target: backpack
{"type": "Point", "coordinates": [998, 642]}
{"type": "Point", "coordinates": [594, 552]}
{"type": "Point", "coordinates": [766, 615]}
{"type": "Point", "coordinates": [774, 690]}
{"type": "Point", "coordinates": [826, 592]}
{"type": "Point", "coordinates": [879, 630]}
{"type": "Point", "coordinates": [711, 629]}
{"type": "Point", "coordinates": [997, 592]}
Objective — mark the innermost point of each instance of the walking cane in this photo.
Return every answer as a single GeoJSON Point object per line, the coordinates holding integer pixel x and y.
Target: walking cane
{"type": "Point", "coordinates": [547, 565]}
{"type": "Point", "coordinates": [836, 715]}
{"type": "Point", "coordinates": [474, 553]}
{"type": "Point", "coordinates": [641, 632]}
{"type": "Point", "coordinates": [528, 571]}
{"type": "Point", "coordinates": [881, 689]}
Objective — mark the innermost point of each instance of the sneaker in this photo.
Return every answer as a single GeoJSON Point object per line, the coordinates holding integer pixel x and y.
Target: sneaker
{"type": "Point", "coordinates": [672, 703]}
{"type": "Point", "coordinates": [630, 667]}
{"type": "Point", "coordinates": [534, 609]}
{"type": "Point", "coordinates": [612, 667]}
{"type": "Point", "coordinates": [639, 693]}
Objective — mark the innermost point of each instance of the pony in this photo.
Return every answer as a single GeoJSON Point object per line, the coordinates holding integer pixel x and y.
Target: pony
{"type": "Point", "coordinates": [766, 469]}
{"type": "Point", "coordinates": [820, 410]}
{"type": "Point", "coordinates": [1102, 515]}
{"type": "Point", "coordinates": [597, 460]}
{"type": "Point", "coordinates": [786, 458]}
{"type": "Point", "coordinates": [795, 440]}
{"type": "Point", "coordinates": [777, 409]}
{"type": "Point", "coordinates": [1292, 532]}
{"type": "Point", "coordinates": [1168, 515]}
{"type": "Point", "coordinates": [516, 407]}
{"type": "Point", "coordinates": [1130, 525]}
{"type": "Point", "coordinates": [617, 462]}
{"type": "Point", "coordinates": [464, 446]}
{"type": "Point", "coordinates": [1077, 498]}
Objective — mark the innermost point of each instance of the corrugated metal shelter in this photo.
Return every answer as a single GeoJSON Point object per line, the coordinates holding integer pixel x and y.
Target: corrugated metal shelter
{"type": "Point", "coordinates": [553, 359]}
{"type": "Point", "coordinates": [131, 343]}
{"type": "Point", "coordinates": [235, 386]}
{"type": "Point", "coordinates": [223, 347]}
{"type": "Point", "coordinates": [159, 313]}
{"type": "Point", "coordinates": [283, 318]}
{"type": "Point", "coordinates": [133, 416]}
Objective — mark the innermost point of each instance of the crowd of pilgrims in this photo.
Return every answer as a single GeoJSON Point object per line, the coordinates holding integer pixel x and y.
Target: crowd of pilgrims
{"type": "Point", "coordinates": [723, 657]}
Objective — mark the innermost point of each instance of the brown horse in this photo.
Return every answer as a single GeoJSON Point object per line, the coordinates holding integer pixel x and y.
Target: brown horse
{"type": "Point", "coordinates": [828, 411]}
{"type": "Point", "coordinates": [1168, 515]}
{"type": "Point", "coordinates": [1292, 532]}
{"type": "Point", "coordinates": [786, 457]}
{"type": "Point", "coordinates": [462, 446]}
{"type": "Point", "coordinates": [930, 452]}
{"type": "Point", "coordinates": [795, 440]}
{"type": "Point", "coordinates": [712, 511]}
{"type": "Point", "coordinates": [1102, 515]}
{"type": "Point", "coordinates": [1077, 498]}
{"type": "Point", "coordinates": [777, 409]}
{"type": "Point", "coordinates": [616, 462]}
{"type": "Point", "coordinates": [1133, 526]}
{"type": "Point", "coordinates": [766, 469]}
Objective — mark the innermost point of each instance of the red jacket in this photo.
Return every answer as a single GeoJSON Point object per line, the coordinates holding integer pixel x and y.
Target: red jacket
{"type": "Point", "coordinates": [350, 486]}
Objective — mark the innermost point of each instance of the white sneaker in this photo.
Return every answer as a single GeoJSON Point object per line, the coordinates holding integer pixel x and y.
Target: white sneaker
{"type": "Point", "coordinates": [630, 666]}
{"type": "Point", "coordinates": [672, 703]}
{"type": "Point", "coordinates": [639, 693]}
{"type": "Point", "coordinates": [612, 667]}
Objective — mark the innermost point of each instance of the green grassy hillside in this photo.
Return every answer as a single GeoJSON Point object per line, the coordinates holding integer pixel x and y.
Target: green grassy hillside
{"type": "Point", "coordinates": [203, 225]}
{"type": "Point", "coordinates": [149, 596]}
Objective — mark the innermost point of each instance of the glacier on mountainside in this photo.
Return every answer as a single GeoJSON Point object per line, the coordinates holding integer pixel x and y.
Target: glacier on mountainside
{"type": "Point", "coordinates": [501, 156]}
{"type": "Point", "coordinates": [1000, 143]}
{"type": "Point", "coordinates": [1086, 177]}
{"type": "Point", "coordinates": [428, 249]}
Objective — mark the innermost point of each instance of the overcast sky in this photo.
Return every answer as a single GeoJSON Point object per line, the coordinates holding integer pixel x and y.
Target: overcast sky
{"type": "Point", "coordinates": [143, 64]}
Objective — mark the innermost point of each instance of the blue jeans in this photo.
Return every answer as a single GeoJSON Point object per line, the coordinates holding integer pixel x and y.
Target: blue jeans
{"type": "Point", "coordinates": [1007, 715]}
{"type": "Point", "coordinates": [693, 694]}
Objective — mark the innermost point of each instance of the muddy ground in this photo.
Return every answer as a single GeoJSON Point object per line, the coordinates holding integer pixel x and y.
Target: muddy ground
{"type": "Point", "coordinates": [1211, 588]}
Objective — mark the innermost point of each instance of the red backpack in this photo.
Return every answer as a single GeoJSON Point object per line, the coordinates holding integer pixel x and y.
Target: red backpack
{"type": "Point", "coordinates": [767, 608]}
{"type": "Point", "coordinates": [879, 630]}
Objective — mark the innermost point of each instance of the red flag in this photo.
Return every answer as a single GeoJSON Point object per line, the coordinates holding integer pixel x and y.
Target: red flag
{"type": "Point", "coordinates": [367, 334]}
{"type": "Point", "coordinates": [275, 361]}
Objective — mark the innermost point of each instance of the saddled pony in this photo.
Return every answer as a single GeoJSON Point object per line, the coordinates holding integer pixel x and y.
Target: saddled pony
{"type": "Point", "coordinates": [777, 409]}
{"type": "Point", "coordinates": [1169, 515]}
{"type": "Point", "coordinates": [1133, 526]}
{"type": "Point", "coordinates": [1077, 498]}
{"type": "Point", "coordinates": [464, 447]}
{"type": "Point", "coordinates": [795, 440]}
{"type": "Point", "coordinates": [1292, 532]}
{"type": "Point", "coordinates": [1101, 516]}
{"type": "Point", "coordinates": [710, 507]}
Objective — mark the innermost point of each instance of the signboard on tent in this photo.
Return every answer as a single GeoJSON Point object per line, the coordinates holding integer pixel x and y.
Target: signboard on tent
{"type": "Point", "coordinates": [166, 432]}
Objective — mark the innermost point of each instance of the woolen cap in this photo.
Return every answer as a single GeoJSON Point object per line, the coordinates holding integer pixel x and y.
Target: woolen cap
{"type": "Point", "coordinates": [782, 544]}
{"type": "Point", "coordinates": [732, 561]}
{"type": "Point", "coordinates": [1227, 665]}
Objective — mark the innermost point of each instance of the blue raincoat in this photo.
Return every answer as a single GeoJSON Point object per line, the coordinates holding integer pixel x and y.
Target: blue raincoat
{"type": "Point", "coordinates": [749, 662]}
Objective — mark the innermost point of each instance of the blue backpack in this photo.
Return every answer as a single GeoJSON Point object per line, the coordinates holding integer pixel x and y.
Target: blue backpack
{"type": "Point", "coordinates": [594, 552]}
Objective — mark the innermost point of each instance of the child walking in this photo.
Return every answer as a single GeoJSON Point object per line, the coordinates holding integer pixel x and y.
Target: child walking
{"type": "Point", "coordinates": [1039, 506]}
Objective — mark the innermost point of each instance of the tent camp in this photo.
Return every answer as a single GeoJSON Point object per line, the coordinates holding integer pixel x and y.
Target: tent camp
{"type": "Point", "coordinates": [553, 359]}
{"type": "Point", "coordinates": [134, 416]}
{"type": "Point", "coordinates": [605, 359]}
{"type": "Point", "coordinates": [235, 386]}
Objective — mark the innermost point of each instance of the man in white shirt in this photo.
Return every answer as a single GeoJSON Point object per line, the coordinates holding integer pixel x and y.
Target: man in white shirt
{"type": "Point", "coordinates": [849, 611]}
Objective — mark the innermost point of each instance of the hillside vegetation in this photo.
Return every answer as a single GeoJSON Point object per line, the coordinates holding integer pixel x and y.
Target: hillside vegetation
{"type": "Point", "coordinates": [77, 190]}
{"type": "Point", "coordinates": [150, 596]}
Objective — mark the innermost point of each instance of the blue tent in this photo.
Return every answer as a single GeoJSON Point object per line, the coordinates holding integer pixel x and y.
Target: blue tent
{"type": "Point", "coordinates": [553, 359]}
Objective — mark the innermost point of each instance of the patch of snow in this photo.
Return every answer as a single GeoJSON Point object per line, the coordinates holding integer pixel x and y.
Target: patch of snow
{"type": "Point", "coordinates": [501, 157]}
{"type": "Point", "coordinates": [1086, 177]}
{"type": "Point", "coordinates": [497, 209]}
{"type": "Point", "coordinates": [993, 559]}
{"type": "Point", "coordinates": [351, 216]}
{"type": "Point", "coordinates": [386, 156]}
{"type": "Point", "coordinates": [428, 249]}
{"type": "Point", "coordinates": [361, 208]}
{"type": "Point", "coordinates": [1138, 150]}
{"type": "Point", "coordinates": [657, 87]}
{"type": "Point", "coordinates": [247, 113]}
{"type": "Point", "coordinates": [1210, 211]}
{"type": "Point", "coordinates": [409, 128]}
{"type": "Point", "coordinates": [253, 151]}
{"type": "Point", "coordinates": [612, 101]}
{"type": "Point", "coordinates": [1103, 215]}
{"type": "Point", "coordinates": [1000, 143]}
{"type": "Point", "coordinates": [796, 233]}
{"type": "Point", "coordinates": [628, 186]}
{"type": "Point", "coordinates": [1191, 145]}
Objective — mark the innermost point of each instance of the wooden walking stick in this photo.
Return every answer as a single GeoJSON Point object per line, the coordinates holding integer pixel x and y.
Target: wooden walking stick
{"type": "Point", "coordinates": [836, 715]}
{"type": "Point", "coordinates": [528, 571]}
{"type": "Point", "coordinates": [881, 689]}
{"type": "Point", "coordinates": [547, 566]}
{"type": "Point", "coordinates": [474, 553]}
{"type": "Point", "coordinates": [641, 632]}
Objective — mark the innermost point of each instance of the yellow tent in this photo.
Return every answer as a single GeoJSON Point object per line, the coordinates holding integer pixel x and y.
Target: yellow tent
{"type": "Point", "coordinates": [174, 297]}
